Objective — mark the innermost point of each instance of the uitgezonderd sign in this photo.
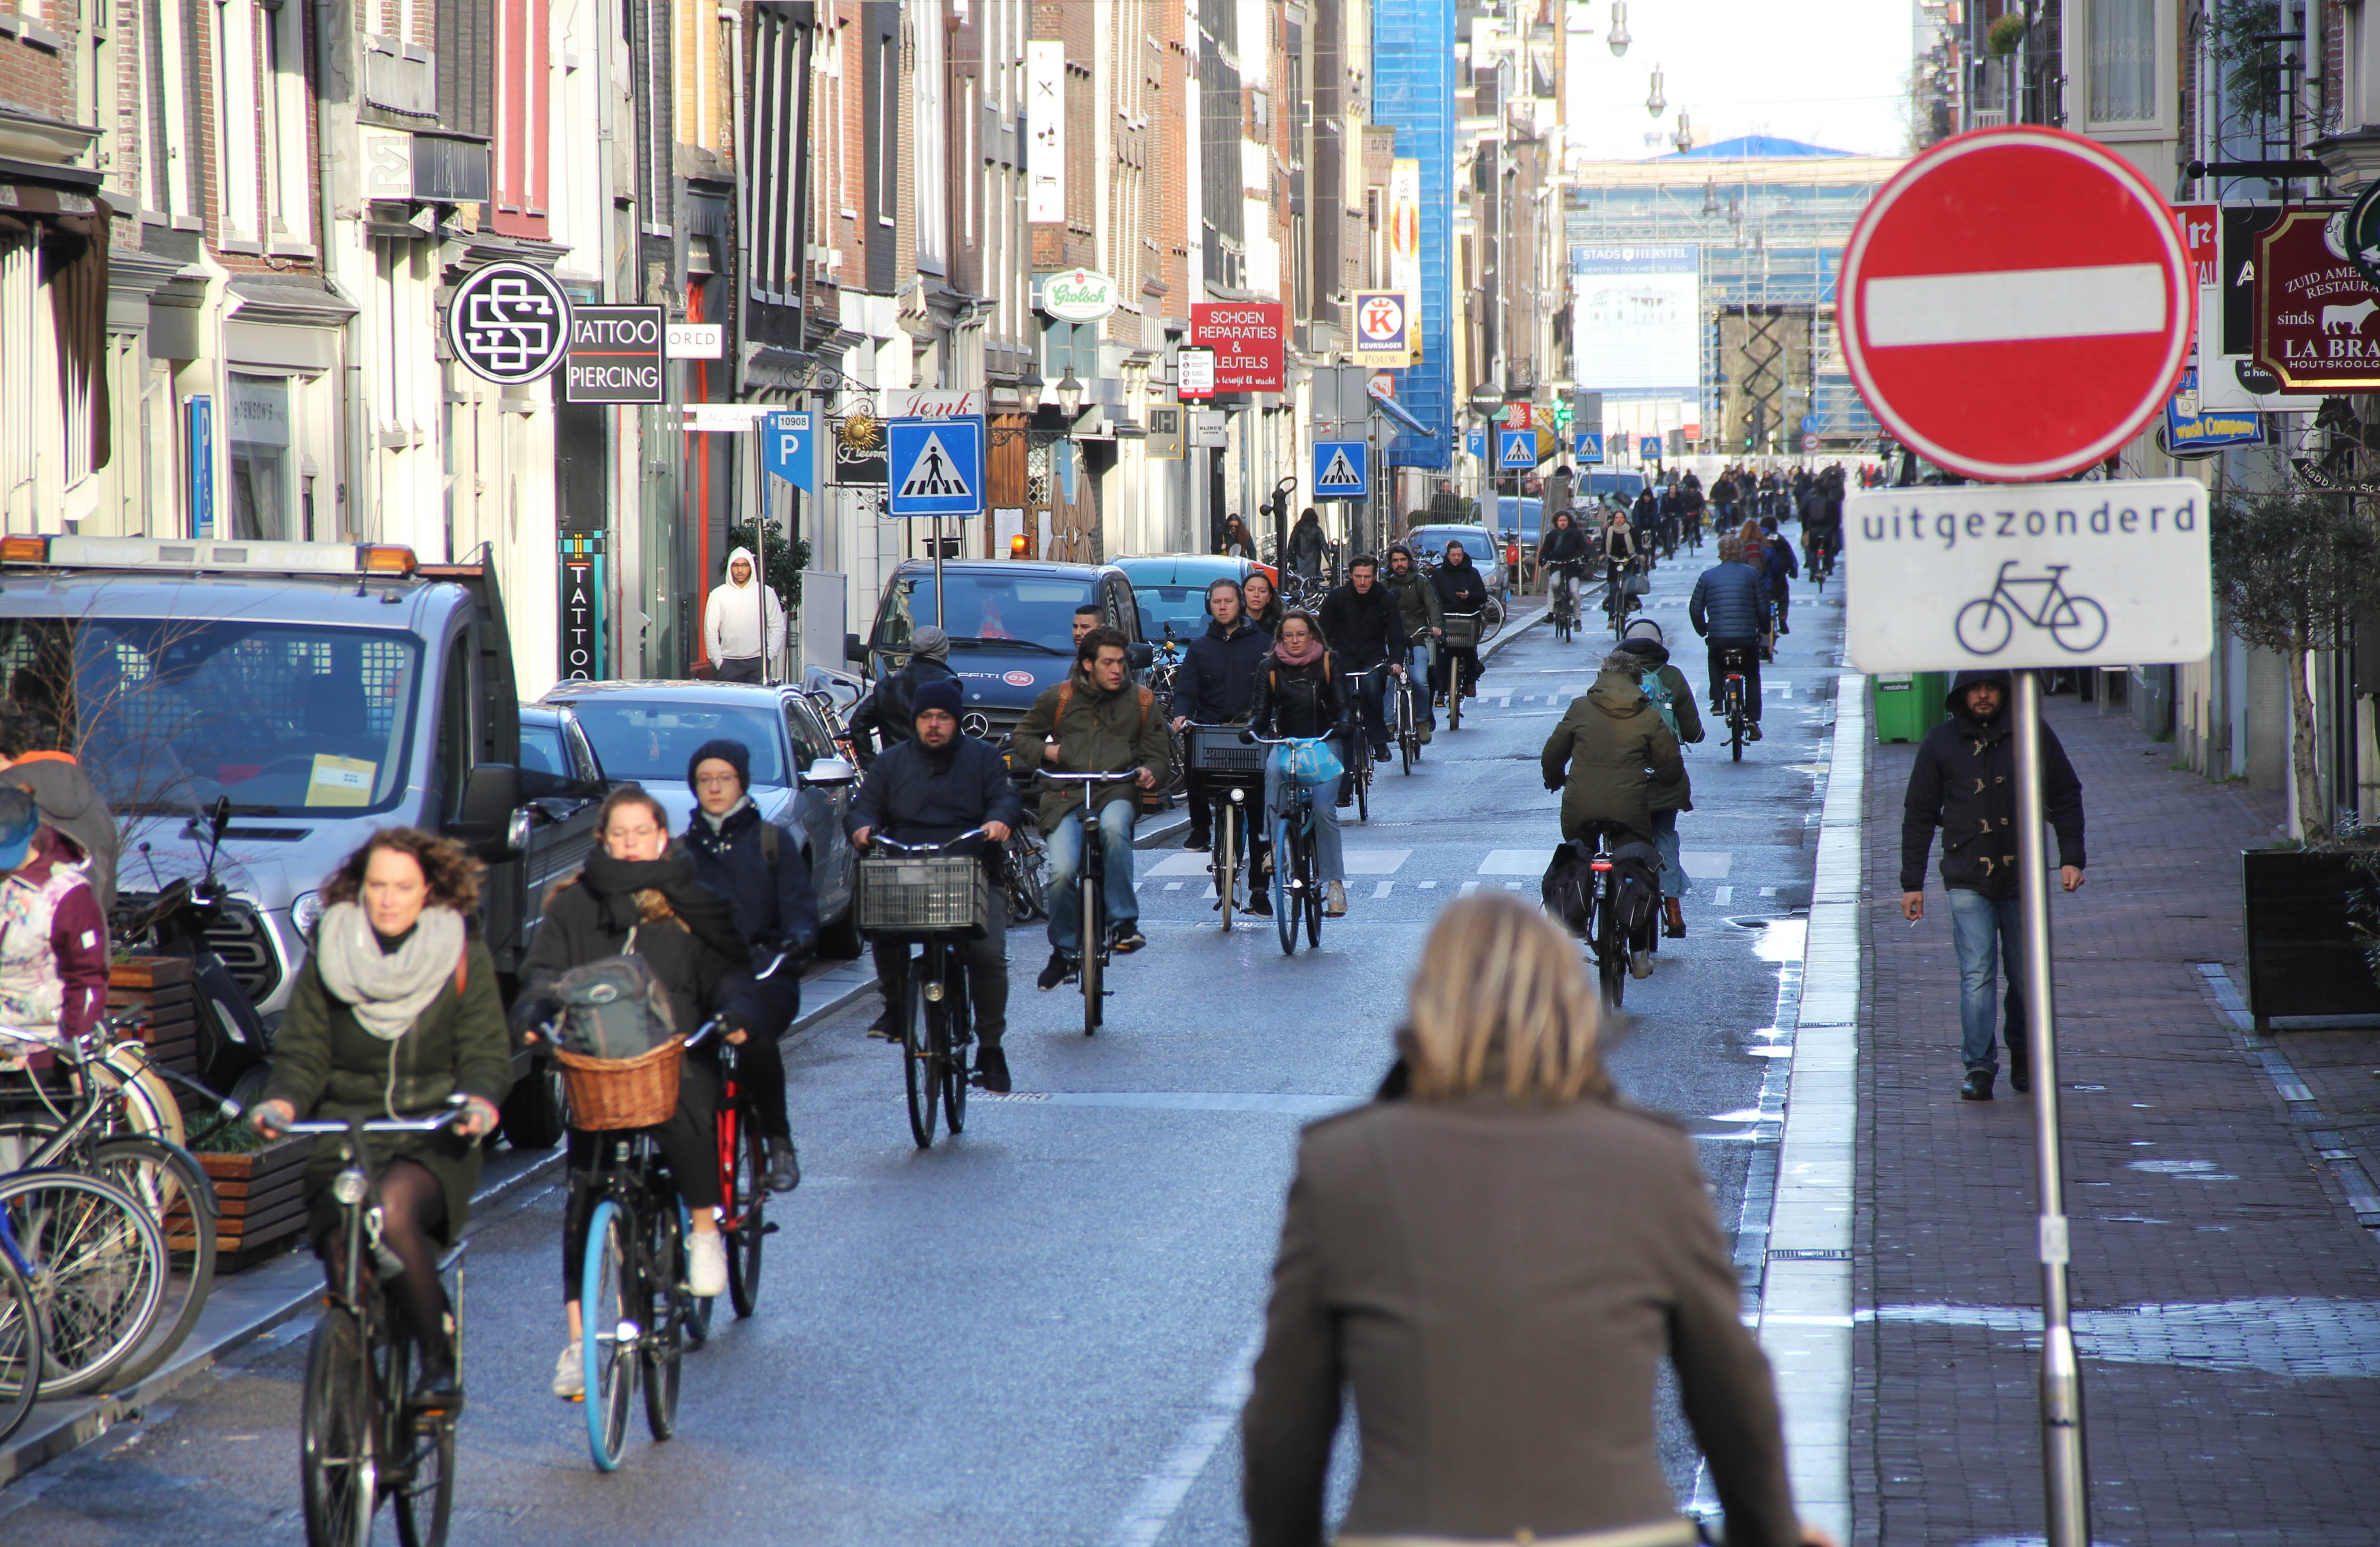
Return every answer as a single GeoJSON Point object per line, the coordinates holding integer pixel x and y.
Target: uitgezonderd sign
{"type": "Point", "coordinates": [1078, 295]}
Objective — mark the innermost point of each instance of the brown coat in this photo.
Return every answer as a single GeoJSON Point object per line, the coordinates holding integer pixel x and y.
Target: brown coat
{"type": "Point", "coordinates": [1496, 1286]}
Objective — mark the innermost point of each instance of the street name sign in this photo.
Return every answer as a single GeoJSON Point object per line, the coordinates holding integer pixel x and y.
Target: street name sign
{"type": "Point", "coordinates": [2057, 575]}
{"type": "Point", "coordinates": [1340, 470]}
{"type": "Point", "coordinates": [2016, 304]}
{"type": "Point", "coordinates": [934, 467]}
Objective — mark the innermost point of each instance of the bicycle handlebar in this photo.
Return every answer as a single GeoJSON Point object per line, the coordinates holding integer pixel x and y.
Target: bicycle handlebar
{"type": "Point", "coordinates": [456, 1106]}
{"type": "Point", "coordinates": [899, 848]}
{"type": "Point", "coordinates": [1092, 778]}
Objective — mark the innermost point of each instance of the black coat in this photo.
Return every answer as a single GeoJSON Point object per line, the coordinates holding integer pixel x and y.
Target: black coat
{"type": "Point", "coordinates": [919, 796]}
{"type": "Point", "coordinates": [1300, 701]}
{"type": "Point", "coordinates": [1361, 629]}
{"type": "Point", "coordinates": [776, 912]}
{"type": "Point", "coordinates": [1964, 781]}
{"type": "Point", "coordinates": [695, 948]}
{"type": "Point", "coordinates": [1217, 678]}
{"type": "Point", "coordinates": [887, 710]}
{"type": "Point", "coordinates": [1461, 588]}
{"type": "Point", "coordinates": [1563, 545]}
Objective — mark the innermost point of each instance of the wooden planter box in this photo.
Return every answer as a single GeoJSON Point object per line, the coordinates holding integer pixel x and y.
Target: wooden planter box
{"type": "Point", "coordinates": [158, 988]}
{"type": "Point", "coordinates": [261, 1195]}
{"type": "Point", "coordinates": [2303, 957]}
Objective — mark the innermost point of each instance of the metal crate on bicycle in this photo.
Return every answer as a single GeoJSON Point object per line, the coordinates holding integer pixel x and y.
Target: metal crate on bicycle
{"type": "Point", "coordinates": [912, 893]}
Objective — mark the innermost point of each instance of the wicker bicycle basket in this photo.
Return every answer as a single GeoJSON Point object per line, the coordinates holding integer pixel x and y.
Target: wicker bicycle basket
{"type": "Point", "coordinates": [1462, 630]}
{"type": "Point", "coordinates": [919, 894]}
{"type": "Point", "coordinates": [608, 1093]}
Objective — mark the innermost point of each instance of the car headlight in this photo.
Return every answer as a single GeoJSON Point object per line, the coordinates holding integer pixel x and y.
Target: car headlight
{"type": "Point", "coordinates": [306, 912]}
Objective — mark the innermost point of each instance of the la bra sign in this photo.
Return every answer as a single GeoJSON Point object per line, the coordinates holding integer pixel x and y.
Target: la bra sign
{"type": "Point", "coordinates": [1078, 295]}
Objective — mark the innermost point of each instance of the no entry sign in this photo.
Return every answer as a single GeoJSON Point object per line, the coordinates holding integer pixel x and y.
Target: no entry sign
{"type": "Point", "coordinates": [2016, 304]}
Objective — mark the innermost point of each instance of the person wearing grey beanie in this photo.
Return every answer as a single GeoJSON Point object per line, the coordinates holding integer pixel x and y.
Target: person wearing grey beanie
{"type": "Point", "coordinates": [890, 712]}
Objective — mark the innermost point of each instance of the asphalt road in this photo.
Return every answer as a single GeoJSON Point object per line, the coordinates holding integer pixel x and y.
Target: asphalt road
{"type": "Point", "coordinates": [1039, 1332]}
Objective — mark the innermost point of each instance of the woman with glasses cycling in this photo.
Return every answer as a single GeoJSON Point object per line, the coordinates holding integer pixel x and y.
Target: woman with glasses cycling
{"type": "Point", "coordinates": [396, 1012]}
{"type": "Point", "coordinates": [1298, 694]}
{"type": "Point", "coordinates": [635, 897]}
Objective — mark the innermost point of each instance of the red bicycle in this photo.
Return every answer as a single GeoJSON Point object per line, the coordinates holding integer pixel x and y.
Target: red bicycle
{"type": "Point", "coordinates": [742, 1189]}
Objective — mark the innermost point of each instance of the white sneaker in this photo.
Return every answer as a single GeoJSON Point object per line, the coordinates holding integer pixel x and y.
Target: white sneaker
{"type": "Point", "coordinates": [570, 1372]}
{"type": "Point", "coordinates": [1335, 901]}
{"type": "Point", "coordinates": [706, 1265]}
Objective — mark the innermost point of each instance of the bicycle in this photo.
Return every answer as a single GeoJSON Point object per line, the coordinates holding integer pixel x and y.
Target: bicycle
{"type": "Point", "coordinates": [1408, 723]}
{"type": "Point", "coordinates": [1733, 708]}
{"type": "Point", "coordinates": [2077, 623]}
{"type": "Point", "coordinates": [922, 893]}
{"type": "Point", "coordinates": [1093, 899]}
{"type": "Point", "coordinates": [1025, 860]}
{"type": "Point", "coordinates": [1610, 963]}
{"type": "Point", "coordinates": [360, 1440]}
{"type": "Point", "coordinates": [1564, 607]}
{"type": "Point", "coordinates": [743, 1187]}
{"type": "Point", "coordinates": [20, 1337]}
{"type": "Point", "coordinates": [1461, 633]}
{"type": "Point", "coordinates": [1295, 892]}
{"type": "Point", "coordinates": [636, 1314]}
{"type": "Point", "coordinates": [1359, 746]}
{"type": "Point", "coordinates": [1225, 766]}
{"type": "Point", "coordinates": [1822, 561]}
{"type": "Point", "coordinates": [163, 1177]}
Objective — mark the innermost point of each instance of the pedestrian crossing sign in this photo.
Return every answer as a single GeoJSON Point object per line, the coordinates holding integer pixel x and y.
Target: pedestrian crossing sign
{"type": "Point", "coordinates": [1590, 445]}
{"type": "Point", "coordinates": [1516, 450]}
{"type": "Point", "coordinates": [934, 467]}
{"type": "Point", "coordinates": [1342, 470]}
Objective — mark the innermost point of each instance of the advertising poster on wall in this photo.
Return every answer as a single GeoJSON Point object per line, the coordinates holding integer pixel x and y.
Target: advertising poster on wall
{"type": "Point", "coordinates": [1633, 320]}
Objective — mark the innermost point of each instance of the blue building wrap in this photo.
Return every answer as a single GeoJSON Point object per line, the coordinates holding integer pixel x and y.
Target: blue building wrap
{"type": "Point", "coordinates": [1412, 69]}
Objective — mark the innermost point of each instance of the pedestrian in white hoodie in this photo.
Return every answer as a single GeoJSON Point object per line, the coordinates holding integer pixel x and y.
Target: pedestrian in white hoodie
{"type": "Point", "coordinates": [733, 625]}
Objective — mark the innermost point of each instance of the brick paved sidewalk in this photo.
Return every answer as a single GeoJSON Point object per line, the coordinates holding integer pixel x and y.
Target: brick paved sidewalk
{"type": "Point", "coordinates": [2228, 1299]}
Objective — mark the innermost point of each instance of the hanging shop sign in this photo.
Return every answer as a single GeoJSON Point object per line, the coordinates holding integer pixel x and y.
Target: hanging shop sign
{"type": "Point", "coordinates": [1078, 295]}
{"type": "Point", "coordinates": [2317, 317]}
{"type": "Point", "coordinates": [1250, 341]}
{"type": "Point", "coordinates": [508, 322]}
{"type": "Point", "coordinates": [616, 354]}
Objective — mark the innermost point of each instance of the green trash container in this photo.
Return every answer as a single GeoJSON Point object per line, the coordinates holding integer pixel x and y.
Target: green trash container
{"type": "Point", "coordinates": [1905, 705]}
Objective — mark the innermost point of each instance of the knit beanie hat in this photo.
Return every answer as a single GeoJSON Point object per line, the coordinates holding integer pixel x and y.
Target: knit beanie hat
{"type": "Point", "coordinates": [735, 754]}
{"type": "Point", "coordinates": [943, 695]}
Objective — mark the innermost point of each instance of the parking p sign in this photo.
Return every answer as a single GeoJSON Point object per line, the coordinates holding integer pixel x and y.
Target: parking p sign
{"type": "Point", "coordinates": [785, 449]}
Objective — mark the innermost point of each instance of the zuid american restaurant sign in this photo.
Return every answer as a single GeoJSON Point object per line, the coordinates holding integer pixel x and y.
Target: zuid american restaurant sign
{"type": "Point", "coordinates": [2317, 317]}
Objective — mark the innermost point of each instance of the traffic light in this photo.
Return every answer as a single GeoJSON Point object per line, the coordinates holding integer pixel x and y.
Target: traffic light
{"type": "Point", "coordinates": [1561, 414]}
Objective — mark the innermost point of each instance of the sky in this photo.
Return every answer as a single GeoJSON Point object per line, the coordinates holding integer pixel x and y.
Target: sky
{"type": "Point", "coordinates": [1834, 73]}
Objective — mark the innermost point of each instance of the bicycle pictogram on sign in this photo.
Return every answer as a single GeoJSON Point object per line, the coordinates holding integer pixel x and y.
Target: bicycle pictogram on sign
{"type": "Point", "coordinates": [1985, 625]}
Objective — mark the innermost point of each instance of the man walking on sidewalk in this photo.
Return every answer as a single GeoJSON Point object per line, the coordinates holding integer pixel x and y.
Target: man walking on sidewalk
{"type": "Point", "coordinates": [1964, 783]}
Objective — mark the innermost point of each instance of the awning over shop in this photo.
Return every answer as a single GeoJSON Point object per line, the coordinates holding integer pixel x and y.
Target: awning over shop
{"type": "Point", "coordinates": [1402, 420]}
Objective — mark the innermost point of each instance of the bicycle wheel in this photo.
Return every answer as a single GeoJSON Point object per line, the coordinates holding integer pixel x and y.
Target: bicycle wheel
{"type": "Point", "coordinates": [1094, 919]}
{"type": "Point", "coordinates": [613, 1321]}
{"type": "Point", "coordinates": [1286, 866]}
{"type": "Point", "coordinates": [1223, 860]}
{"type": "Point", "coordinates": [1735, 730]}
{"type": "Point", "coordinates": [1363, 781]}
{"type": "Point", "coordinates": [1454, 693]}
{"type": "Point", "coordinates": [1611, 951]}
{"type": "Point", "coordinates": [750, 1200]}
{"type": "Point", "coordinates": [1028, 859]}
{"type": "Point", "coordinates": [1491, 617]}
{"type": "Point", "coordinates": [166, 1181]}
{"type": "Point", "coordinates": [421, 1455]}
{"type": "Point", "coordinates": [664, 1345]}
{"type": "Point", "coordinates": [338, 1459]}
{"type": "Point", "coordinates": [1314, 913]}
{"type": "Point", "coordinates": [21, 1347]}
{"type": "Point", "coordinates": [954, 1040]}
{"type": "Point", "coordinates": [100, 1272]}
{"type": "Point", "coordinates": [921, 1079]}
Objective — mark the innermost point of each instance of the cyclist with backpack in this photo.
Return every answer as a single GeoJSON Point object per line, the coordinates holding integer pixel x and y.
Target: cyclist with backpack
{"type": "Point", "coordinates": [1098, 721]}
{"type": "Point", "coordinates": [1597, 757]}
{"type": "Point", "coordinates": [758, 868]}
{"type": "Point", "coordinates": [635, 914]}
{"type": "Point", "coordinates": [1667, 690]}
{"type": "Point", "coordinates": [1297, 693]}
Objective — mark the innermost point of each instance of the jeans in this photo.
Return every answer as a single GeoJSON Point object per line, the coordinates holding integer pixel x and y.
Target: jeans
{"type": "Point", "coordinates": [738, 668]}
{"type": "Point", "coordinates": [987, 971]}
{"type": "Point", "coordinates": [1750, 671]}
{"type": "Point", "coordinates": [1988, 933]}
{"type": "Point", "coordinates": [1329, 857]}
{"type": "Point", "coordinates": [1066, 867]}
{"type": "Point", "coordinates": [1371, 702]}
{"type": "Point", "coordinates": [1665, 838]}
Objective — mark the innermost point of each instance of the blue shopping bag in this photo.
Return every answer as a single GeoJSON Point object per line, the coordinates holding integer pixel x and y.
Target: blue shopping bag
{"type": "Point", "coordinates": [1308, 762]}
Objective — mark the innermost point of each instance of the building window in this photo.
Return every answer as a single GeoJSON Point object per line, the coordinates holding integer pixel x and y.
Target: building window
{"type": "Point", "coordinates": [930, 140]}
{"type": "Point", "coordinates": [2123, 61]}
{"type": "Point", "coordinates": [235, 120]}
{"type": "Point", "coordinates": [263, 470]}
{"type": "Point", "coordinates": [288, 184]}
{"type": "Point", "coordinates": [888, 132]}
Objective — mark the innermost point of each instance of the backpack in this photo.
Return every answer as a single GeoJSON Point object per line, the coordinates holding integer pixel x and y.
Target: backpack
{"type": "Point", "coordinates": [1657, 694]}
{"type": "Point", "coordinates": [614, 1006]}
{"type": "Point", "coordinates": [1149, 799]}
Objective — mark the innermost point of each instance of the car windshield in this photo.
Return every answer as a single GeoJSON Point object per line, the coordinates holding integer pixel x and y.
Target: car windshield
{"type": "Point", "coordinates": [170, 715]}
{"type": "Point", "coordinates": [996, 608]}
{"type": "Point", "coordinates": [1182, 607]}
{"type": "Point", "coordinates": [650, 740]}
{"type": "Point", "coordinates": [1432, 541]}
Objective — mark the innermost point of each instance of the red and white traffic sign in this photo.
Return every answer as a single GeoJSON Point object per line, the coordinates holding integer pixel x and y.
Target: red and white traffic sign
{"type": "Point", "coordinates": [2016, 304]}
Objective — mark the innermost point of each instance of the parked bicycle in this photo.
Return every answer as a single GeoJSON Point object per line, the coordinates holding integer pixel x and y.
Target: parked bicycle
{"type": "Point", "coordinates": [1092, 895]}
{"type": "Point", "coordinates": [361, 1441]}
{"type": "Point", "coordinates": [20, 1334]}
{"type": "Point", "coordinates": [1024, 871]}
{"type": "Point", "coordinates": [923, 895]}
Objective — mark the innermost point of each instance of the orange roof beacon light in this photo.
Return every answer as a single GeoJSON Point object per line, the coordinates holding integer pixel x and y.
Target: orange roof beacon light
{"type": "Point", "coordinates": [1017, 546]}
{"type": "Point", "coordinates": [386, 558]}
{"type": "Point", "coordinates": [24, 550]}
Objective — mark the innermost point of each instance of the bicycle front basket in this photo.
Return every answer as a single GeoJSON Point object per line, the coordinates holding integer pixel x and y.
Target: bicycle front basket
{"type": "Point", "coordinates": [1462, 630]}
{"type": "Point", "coordinates": [923, 893]}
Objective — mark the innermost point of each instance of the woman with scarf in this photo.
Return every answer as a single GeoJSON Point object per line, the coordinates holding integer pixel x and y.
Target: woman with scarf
{"type": "Point", "coordinates": [395, 1013]}
{"type": "Point", "coordinates": [1264, 608]}
{"type": "Point", "coordinates": [633, 898]}
{"type": "Point", "coordinates": [1298, 694]}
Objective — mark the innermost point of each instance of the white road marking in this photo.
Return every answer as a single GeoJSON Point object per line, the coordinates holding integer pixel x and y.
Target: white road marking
{"type": "Point", "coordinates": [1191, 863]}
{"type": "Point", "coordinates": [1173, 886]}
{"type": "Point", "coordinates": [1512, 887]}
{"type": "Point", "coordinates": [1383, 889]}
{"type": "Point", "coordinates": [1427, 886]}
{"type": "Point", "coordinates": [1706, 864]}
{"type": "Point", "coordinates": [1467, 888]}
{"type": "Point", "coordinates": [1162, 1490]}
{"type": "Point", "coordinates": [1513, 861]}
{"type": "Point", "coordinates": [1377, 862]}
{"type": "Point", "coordinates": [2006, 306]}
{"type": "Point", "coordinates": [1724, 896]}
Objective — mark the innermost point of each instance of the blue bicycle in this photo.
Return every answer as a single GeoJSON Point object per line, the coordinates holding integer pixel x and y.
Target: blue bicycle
{"type": "Point", "coordinates": [1296, 894]}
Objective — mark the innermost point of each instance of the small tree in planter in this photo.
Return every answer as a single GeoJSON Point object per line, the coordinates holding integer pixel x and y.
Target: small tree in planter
{"type": "Point", "coordinates": [2293, 567]}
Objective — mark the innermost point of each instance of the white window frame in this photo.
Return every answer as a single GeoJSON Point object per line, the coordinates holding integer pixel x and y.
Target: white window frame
{"type": "Point", "coordinates": [237, 189]}
{"type": "Point", "coordinates": [2164, 123]}
{"type": "Point", "coordinates": [930, 137]}
{"type": "Point", "coordinates": [288, 183]}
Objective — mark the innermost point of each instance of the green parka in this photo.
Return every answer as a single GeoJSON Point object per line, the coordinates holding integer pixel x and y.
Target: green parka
{"type": "Point", "coordinates": [1097, 732]}
{"type": "Point", "coordinates": [1609, 753]}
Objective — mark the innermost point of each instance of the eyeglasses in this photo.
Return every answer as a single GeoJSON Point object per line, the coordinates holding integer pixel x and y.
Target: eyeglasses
{"type": "Point", "coordinates": [716, 781]}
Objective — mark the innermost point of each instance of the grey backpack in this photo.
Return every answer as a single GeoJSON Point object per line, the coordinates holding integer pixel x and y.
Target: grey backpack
{"type": "Point", "coordinates": [614, 1006]}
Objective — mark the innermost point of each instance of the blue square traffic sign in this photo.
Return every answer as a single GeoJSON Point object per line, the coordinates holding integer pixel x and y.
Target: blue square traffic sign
{"type": "Point", "coordinates": [1589, 443]}
{"type": "Point", "coordinates": [934, 467]}
{"type": "Point", "coordinates": [1342, 470]}
{"type": "Point", "coordinates": [785, 448]}
{"type": "Point", "coordinates": [1516, 449]}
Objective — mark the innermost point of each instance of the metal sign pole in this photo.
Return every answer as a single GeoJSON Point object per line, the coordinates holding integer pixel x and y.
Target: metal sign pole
{"type": "Point", "coordinates": [2065, 1485]}
{"type": "Point", "coordinates": [941, 616]}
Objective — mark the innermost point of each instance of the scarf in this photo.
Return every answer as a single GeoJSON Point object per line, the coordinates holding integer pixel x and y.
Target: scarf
{"type": "Point", "coordinates": [720, 821]}
{"type": "Point", "coordinates": [620, 889]}
{"type": "Point", "coordinates": [1306, 657]}
{"type": "Point", "coordinates": [388, 991]}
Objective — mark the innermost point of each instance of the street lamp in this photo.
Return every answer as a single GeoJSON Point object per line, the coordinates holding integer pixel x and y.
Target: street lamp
{"type": "Point", "coordinates": [1656, 104]}
{"type": "Point", "coordinates": [1070, 392]}
{"type": "Point", "coordinates": [1619, 38]}
{"type": "Point", "coordinates": [1685, 137]}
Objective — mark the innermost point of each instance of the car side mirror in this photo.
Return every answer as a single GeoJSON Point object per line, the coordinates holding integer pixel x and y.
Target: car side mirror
{"type": "Point", "coordinates": [1140, 655]}
{"type": "Point", "coordinates": [828, 774]}
{"type": "Point", "coordinates": [854, 649]}
{"type": "Point", "coordinates": [491, 814]}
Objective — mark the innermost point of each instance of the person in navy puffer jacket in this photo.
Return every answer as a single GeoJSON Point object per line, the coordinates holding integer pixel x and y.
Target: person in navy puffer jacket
{"type": "Point", "coordinates": [1730, 603]}
{"type": "Point", "coordinates": [1216, 685]}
